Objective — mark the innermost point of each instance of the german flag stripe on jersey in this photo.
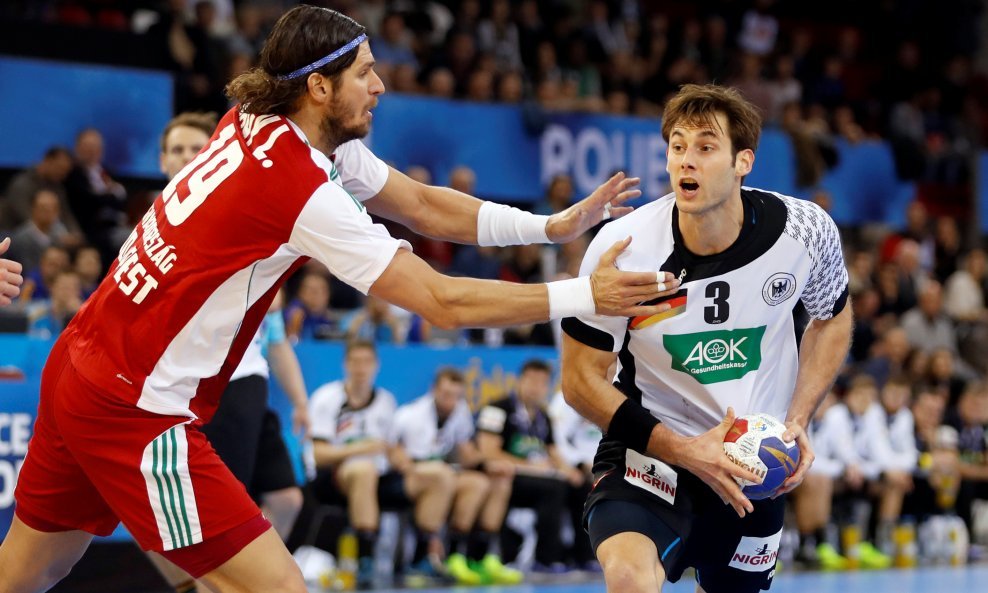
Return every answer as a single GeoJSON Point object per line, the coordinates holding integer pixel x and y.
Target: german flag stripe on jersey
{"type": "Point", "coordinates": [676, 301]}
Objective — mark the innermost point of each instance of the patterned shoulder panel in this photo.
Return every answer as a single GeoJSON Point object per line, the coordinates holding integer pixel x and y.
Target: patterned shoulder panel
{"type": "Point", "coordinates": [810, 225]}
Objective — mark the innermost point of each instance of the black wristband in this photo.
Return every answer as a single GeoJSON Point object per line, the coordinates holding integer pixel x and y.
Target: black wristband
{"type": "Point", "coordinates": [632, 424]}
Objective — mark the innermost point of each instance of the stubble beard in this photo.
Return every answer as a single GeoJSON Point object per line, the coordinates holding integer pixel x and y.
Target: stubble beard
{"type": "Point", "coordinates": [336, 131]}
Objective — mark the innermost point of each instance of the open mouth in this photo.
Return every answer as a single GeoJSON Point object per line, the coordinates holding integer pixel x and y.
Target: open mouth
{"type": "Point", "coordinates": [689, 186]}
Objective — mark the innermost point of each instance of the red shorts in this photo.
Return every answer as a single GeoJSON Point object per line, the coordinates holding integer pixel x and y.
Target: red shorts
{"type": "Point", "coordinates": [95, 461]}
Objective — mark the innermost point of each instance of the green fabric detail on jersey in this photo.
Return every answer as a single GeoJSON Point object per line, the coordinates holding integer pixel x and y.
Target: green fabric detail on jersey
{"type": "Point", "coordinates": [525, 446]}
{"type": "Point", "coordinates": [716, 356]}
{"type": "Point", "coordinates": [334, 176]}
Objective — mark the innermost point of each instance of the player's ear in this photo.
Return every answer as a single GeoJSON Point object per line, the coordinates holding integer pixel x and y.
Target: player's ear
{"type": "Point", "coordinates": [320, 88]}
{"type": "Point", "coordinates": [743, 162]}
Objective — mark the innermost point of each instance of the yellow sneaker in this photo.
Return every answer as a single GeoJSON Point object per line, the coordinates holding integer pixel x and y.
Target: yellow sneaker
{"type": "Point", "coordinates": [460, 570]}
{"type": "Point", "coordinates": [497, 573]}
{"type": "Point", "coordinates": [872, 558]}
{"type": "Point", "coordinates": [829, 558]}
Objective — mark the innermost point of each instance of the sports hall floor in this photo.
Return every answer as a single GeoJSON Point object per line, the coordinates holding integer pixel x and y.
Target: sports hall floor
{"type": "Point", "coordinates": [132, 574]}
{"type": "Point", "coordinates": [972, 579]}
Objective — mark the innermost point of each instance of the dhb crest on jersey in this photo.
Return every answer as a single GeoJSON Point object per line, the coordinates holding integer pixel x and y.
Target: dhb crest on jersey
{"type": "Point", "coordinates": [779, 288]}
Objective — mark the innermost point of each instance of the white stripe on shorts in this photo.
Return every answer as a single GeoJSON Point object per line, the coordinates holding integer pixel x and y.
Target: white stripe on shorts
{"type": "Point", "coordinates": [165, 466]}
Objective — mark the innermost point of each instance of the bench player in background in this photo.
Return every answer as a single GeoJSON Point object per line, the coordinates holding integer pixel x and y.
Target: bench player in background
{"type": "Point", "coordinates": [142, 365]}
{"type": "Point", "coordinates": [745, 257]}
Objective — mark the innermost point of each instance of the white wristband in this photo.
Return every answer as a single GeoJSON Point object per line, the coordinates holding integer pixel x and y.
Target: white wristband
{"type": "Point", "coordinates": [502, 225]}
{"type": "Point", "coordinates": [571, 298]}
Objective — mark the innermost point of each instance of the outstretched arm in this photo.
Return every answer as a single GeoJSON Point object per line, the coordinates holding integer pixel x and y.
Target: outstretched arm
{"type": "Point", "coordinates": [444, 213]}
{"type": "Point", "coordinates": [450, 303]}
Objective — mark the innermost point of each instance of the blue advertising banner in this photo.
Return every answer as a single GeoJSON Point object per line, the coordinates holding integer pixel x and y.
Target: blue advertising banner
{"type": "Point", "coordinates": [515, 152]}
{"type": "Point", "coordinates": [46, 103]}
{"type": "Point", "coordinates": [406, 371]}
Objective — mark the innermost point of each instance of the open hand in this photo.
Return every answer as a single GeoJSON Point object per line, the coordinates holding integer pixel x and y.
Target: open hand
{"type": "Point", "coordinates": [619, 293]}
{"type": "Point", "coordinates": [605, 202]}
{"type": "Point", "coordinates": [704, 456]}
{"type": "Point", "coordinates": [794, 430]}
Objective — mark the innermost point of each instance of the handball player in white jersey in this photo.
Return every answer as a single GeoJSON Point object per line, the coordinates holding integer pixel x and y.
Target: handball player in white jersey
{"type": "Point", "coordinates": [664, 495]}
{"type": "Point", "coordinates": [141, 367]}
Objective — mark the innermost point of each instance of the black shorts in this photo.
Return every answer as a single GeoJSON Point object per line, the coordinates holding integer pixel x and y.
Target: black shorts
{"type": "Point", "coordinates": [247, 437]}
{"type": "Point", "coordinates": [686, 520]}
{"type": "Point", "coordinates": [391, 493]}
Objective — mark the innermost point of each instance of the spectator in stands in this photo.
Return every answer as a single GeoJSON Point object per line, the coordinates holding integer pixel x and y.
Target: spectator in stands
{"type": "Point", "coordinates": [54, 260]}
{"type": "Point", "coordinates": [865, 303]}
{"type": "Point", "coordinates": [352, 420]}
{"type": "Point", "coordinates": [89, 267]}
{"type": "Point", "coordinates": [970, 419]}
{"type": "Point", "coordinates": [517, 429]}
{"type": "Point", "coordinates": [946, 248]}
{"type": "Point", "coordinates": [942, 374]}
{"type": "Point", "coordinates": [10, 276]}
{"type": "Point", "coordinates": [558, 196]}
{"type": "Point", "coordinates": [964, 298]}
{"type": "Point", "coordinates": [97, 200]}
{"type": "Point", "coordinates": [498, 35]}
{"type": "Point", "coordinates": [50, 173]}
{"type": "Point", "coordinates": [752, 84]}
{"type": "Point", "coordinates": [308, 316]}
{"type": "Point", "coordinates": [441, 84]}
{"type": "Point", "coordinates": [510, 88]}
{"type": "Point", "coordinates": [896, 289]}
{"type": "Point", "coordinates": [438, 428]}
{"type": "Point", "coordinates": [604, 34]}
{"type": "Point", "coordinates": [926, 324]}
{"type": "Point", "coordinates": [376, 322]}
{"type": "Point", "coordinates": [759, 29]}
{"type": "Point", "coordinates": [43, 229]}
{"type": "Point", "coordinates": [784, 87]}
{"type": "Point", "coordinates": [185, 49]}
{"type": "Point", "coordinates": [48, 318]}
{"type": "Point", "coordinates": [392, 46]}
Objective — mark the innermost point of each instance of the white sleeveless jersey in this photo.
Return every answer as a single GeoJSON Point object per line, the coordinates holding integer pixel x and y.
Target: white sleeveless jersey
{"type": "Point", "coordinates": [729, 339]}
{"type": "Point", "coordinates": [417, 429]}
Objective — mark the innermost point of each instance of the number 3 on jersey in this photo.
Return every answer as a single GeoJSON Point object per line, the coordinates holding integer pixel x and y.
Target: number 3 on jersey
{"type": "Point", "coordinates": [204, 179]}
{"type": "Point", "coordinates": [719, 310]}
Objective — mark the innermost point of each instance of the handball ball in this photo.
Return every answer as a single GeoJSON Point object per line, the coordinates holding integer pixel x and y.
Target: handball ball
{"type": "Point", "coordinates": [755, 443]}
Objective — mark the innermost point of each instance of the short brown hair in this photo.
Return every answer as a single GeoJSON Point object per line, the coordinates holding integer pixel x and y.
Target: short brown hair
{"type": "Point", "coordinates": [352, 345]}
{"type": "Point", "coordinates": [202, 121]}
{"type": "Point", "coordinates": [698, 104]}
{"type": "Point", "coordinates": [451, 374]}
{"type": "Point", "coordinates": [301, 36]}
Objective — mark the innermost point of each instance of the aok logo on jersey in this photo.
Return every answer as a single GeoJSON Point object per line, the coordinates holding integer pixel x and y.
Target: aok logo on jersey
{"type": "Point", "coordinates": [716, 356]}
